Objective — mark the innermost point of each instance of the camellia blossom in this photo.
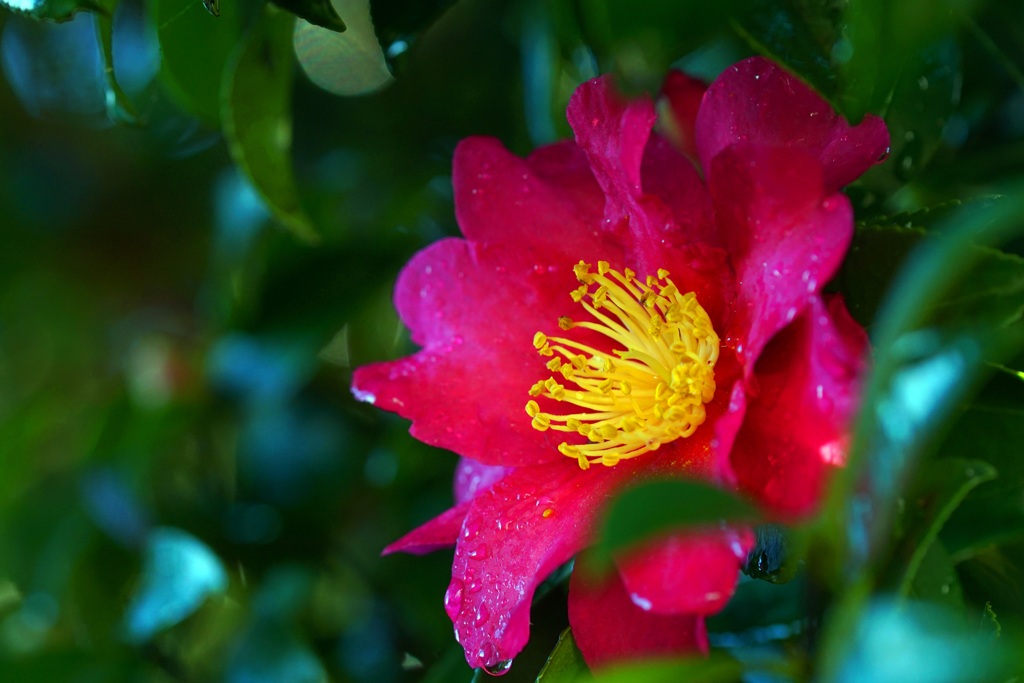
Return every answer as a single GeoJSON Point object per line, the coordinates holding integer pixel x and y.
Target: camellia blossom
{"type": "Point", "coordinates": [628, 306]}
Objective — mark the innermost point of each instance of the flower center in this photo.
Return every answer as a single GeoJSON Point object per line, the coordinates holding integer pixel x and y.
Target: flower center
{"type": "Point", "coordinates": [655, 388]}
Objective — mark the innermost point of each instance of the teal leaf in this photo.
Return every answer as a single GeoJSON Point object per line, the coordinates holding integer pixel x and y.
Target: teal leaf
{"type": "Point", "coordinates": [349, 63]}
{"type": "Point", "coordinates": [58, 10]}
{"type": "Point", "coordinates": [119, 107]}
{"type": "Point", "coordinates": [565, 663]}
{"type": "Point", "coordinates": [649, 509]}
{"type": "Point", "coordinates": [178, 573]}
{"type": "Point", "coordinates": [256, 115]}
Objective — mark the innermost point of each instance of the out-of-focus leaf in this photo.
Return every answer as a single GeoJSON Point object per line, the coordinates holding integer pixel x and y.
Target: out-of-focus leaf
{"type": "Point", "coordinates": [349, 63]}
{"type": "Point", "coordinates": [179, 572]}
{"type": "Point", "coordinates": [881, 38]}
{"type": "Point", "coordinates": [58, 10]}
{"type": "Point", "coordinates": [953, 306]}
{"type": "Point", "coordinates": [649, 509]}
{"type": "Point", "coordinates": [565, 664]}
{"type": "Point", "coordinates": [935, 579]}
{"type": "Point", "coordinates": [940, 489]}
{"type": "Point", "coordinates": [990, 623]}
{"type": "Point", "coordinates": [922, 100]}
{"type": "Point", "coordinates": [992, 514]}
{"type": "Point", "coordinates": [878, 251]}
{"type": "Point", "coordinates": [714, 669]}
{"type": "Point", "coordinates": [398, 23]}
{"type": "Point", "coordinates": [645, 37]}
{"type": "Point", "coordinates": [799, 34]}
{"type": "Point", "coordinates": [893, 642]}
{"type": "Point", "coordinates": [196, 47]}
{"type": "Point", "coordinates": [119, 107]}
{"type": "Point", "coordinates": [318, 12]}
{"type": "Point", "coordinates": [256, 115]}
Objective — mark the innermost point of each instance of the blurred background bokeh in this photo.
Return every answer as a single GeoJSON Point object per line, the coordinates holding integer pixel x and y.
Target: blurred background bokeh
{"type": "Point", "coordinates": [197, 250]}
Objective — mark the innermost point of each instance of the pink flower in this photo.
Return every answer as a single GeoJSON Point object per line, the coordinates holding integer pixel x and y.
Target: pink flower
{"type": "Point", "coordinates": [695, 343]}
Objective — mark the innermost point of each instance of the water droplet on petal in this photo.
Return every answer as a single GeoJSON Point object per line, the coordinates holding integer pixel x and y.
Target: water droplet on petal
{"type": "Point", "coordinates": [481, 614]}
{"type": "Point", "coordinates": [453, 599]}
{"type": "Point", "coordinates": [499, 669]}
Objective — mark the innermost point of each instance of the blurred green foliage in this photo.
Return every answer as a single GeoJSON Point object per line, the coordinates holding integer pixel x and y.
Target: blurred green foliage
{"type": "Point", "coordinates": [187, 489]}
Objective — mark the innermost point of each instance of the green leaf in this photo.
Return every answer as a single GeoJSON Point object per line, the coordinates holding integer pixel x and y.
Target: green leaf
{"type": "Point", "coordinates": [799, 34]}
{"type": "Point", "coordinates": [715, 669]}
{"type": "Point", "coordinates": [879, 251]}
{"type": "Point", "coordinates": [256, 114]}
{"type": "Point", "coordinates": [399, 23]}
{"type": "Point", "coordinates": [58, 10]}
{"type": "Point", "coordinates": [195, 47]}
{"type": "Point", "coordinates": [652, 508]}
{"type": "Point", "coordinates": [318, 12]}
{"type": "Point", "coordinates": [953, 306]}
{"type": "Point", "coordinates": [992, 514]}
{"type": "Point", "coordinates": [990, 623]}
{"type": "Point", "coordinates": [940, 489]}
{"type": "Point", "coordinates": [349, 63]}
{"type": "Point", "coordinates": [565, 663]}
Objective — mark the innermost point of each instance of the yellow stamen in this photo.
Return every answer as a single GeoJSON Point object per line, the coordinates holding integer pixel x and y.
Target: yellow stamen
{"type": "Point", "coordinates": [656, 389]}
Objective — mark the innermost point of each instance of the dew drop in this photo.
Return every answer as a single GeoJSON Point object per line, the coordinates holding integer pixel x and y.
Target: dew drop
{"type": "Point", "coordinates": [499, 669]}
{"type": "Point", "coordinates": [481, 614]}
{"type": "Point", "coordinates": [453, 599]}
{"type": "Point", "coordinates": [478, 553]}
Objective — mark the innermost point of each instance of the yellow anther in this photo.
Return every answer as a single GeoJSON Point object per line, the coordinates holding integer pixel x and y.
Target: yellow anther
{"type": "Point", "coordinates": [547, 513]}
{"type": "Point", "coordinates": [582, 271]}
{"type": "Point", "coordinates": [630, 424]}
{"type": "Point", "coordinates": [655, 394]}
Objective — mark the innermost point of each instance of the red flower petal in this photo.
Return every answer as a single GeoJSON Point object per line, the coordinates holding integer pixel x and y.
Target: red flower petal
{"type": "Point", "coordinates": [607, 626]}
{"type": "Point", "coordinates": [686, 573]}
{"type": "Point", "coordinates": [680, 100]}
{"type": "Point", "coordinates": [508, 546]}
{"type": "Point", "coordinates": [475, 309]}
{"type": "Point", "coordinates": [548, 202]}
{"type": "Point", "coordinates": [795, 429]}
{"type": "Point", "coordinates": [473, 478]}
{"type": "Point", "coordinates": [757, 101]}
{"type": "Point", "coordinates": [672, 178]}
{"type": "Point", "coordinates": [613, 133]}
{"type": "Point", "coordinates": [785, 234]}
{"type": "Point", "coordinates": [440, 532]}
